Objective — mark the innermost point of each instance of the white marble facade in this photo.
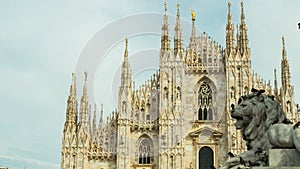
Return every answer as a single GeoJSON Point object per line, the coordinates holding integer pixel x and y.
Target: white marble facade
{"type": "Point", "coordinates": [180, 118]}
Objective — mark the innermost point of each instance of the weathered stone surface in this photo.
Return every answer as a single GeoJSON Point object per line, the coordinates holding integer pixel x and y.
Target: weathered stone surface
{"type": "Point", "coordinates": [284, 157]}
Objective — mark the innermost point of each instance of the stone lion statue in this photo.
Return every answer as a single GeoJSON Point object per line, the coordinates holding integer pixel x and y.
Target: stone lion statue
{"type": "Point", "coordinates": [264, 125]}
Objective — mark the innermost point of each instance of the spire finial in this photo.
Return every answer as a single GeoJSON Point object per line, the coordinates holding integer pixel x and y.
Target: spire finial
{"type": "Point", "coordinates": [230, 39]}
{"type": "Point", "coordinates": [285, 68]}
{"type": "Point", "coordinates": [73, 85]}
{"type": "Point", "coordinates": [178, 8]}
{"type": "Point", "coordinates": [283, 48]}
{"type": "Point", "coordinates": [243, 12]}
{"type": "Point", "coordinates": [73, 78]}
{"type": "Point", "coordinates": [242, 4]}
{"type": "Point", "coordinates": [166, 7]}
{"type": "Point", "coordinates": [165, 38]}
{"type": "Point", "coordinates": [85, 90]}
{"type": "Point", "coordinates": [101, 114]}
{"type": "Point", "coordinates": [193, 37]}
{"type": "Point", "coordinates": [126, 48]}
{"type": "Point", "coordinates": [229, 10]}
{"type": "Point", "coordinates": [193, 15]}
{"type": "Point", "coordinates": [178, 33]}
{"type": "Point", "coordinates": [94, 122]}
{"type": "Point", "coordinates": [85, 76]}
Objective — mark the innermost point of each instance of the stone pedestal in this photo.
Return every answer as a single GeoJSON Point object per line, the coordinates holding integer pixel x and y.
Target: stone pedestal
{"type": "Point", "coordinates": [283, 159]}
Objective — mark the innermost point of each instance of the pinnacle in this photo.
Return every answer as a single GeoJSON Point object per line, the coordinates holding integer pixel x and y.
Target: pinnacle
{"type": "Point", "coordinates": [85, 76]}
{"type": "Point", "coordinates": [126, 48]}
{"type": "Point", "coordinates": [178, 9]}
{"type": "Point", "coordinates": [243, 12]}
{"type": "Point", "coordinates": [283, 43]}
{"type": "Point", "coordinates": [284, 55]}
{"type": "Point", "coordinates": [73, 78]}
{"type": "Point", "coordinates": [73, 85]}
{"type": "Point", "coordinates": [229, 12]}
{"type": "Point", "coordinates": [85, 92]}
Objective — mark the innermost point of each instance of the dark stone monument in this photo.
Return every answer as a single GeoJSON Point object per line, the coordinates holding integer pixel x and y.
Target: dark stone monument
{"type": "Point", "coordinates": [273, 141]}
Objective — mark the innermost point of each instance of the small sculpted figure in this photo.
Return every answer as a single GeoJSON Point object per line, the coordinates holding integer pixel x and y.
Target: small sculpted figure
{"type": "Point", "coordinates": [264, 125]}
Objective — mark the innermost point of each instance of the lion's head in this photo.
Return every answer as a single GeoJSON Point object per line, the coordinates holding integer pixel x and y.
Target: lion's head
{"type": "Point", "coordinates": [255, 113]}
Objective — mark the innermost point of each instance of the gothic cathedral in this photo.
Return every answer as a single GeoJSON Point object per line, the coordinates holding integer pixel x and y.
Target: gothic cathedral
{"type": "Point", "coordinates": [180, 118]}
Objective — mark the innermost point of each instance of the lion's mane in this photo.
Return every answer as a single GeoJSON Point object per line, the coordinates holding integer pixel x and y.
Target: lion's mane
{"type": "Point", "coordinates": [263, 112]}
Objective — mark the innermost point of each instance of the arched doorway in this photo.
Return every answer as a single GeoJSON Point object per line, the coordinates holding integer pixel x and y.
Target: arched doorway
{"type": "Point", "coordinates": [206, 158]}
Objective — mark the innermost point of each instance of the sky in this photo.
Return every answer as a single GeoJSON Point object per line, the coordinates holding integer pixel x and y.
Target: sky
{"type": "Point", "coordinates": [43, 42]}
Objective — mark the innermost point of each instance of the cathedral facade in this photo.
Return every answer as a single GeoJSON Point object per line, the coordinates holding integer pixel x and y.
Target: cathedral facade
{"type": "Point", "coordinates": [179, 118]}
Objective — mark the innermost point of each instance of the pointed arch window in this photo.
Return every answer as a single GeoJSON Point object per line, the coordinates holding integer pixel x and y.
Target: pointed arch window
{"type": "Point", "coordinates": [205, 111]}
{"type": "Point", "coordinates": [144, 151]}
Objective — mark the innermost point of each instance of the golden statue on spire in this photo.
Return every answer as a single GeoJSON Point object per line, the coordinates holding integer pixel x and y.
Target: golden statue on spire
{"type": "Point", "coordinates": [193, 15]}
